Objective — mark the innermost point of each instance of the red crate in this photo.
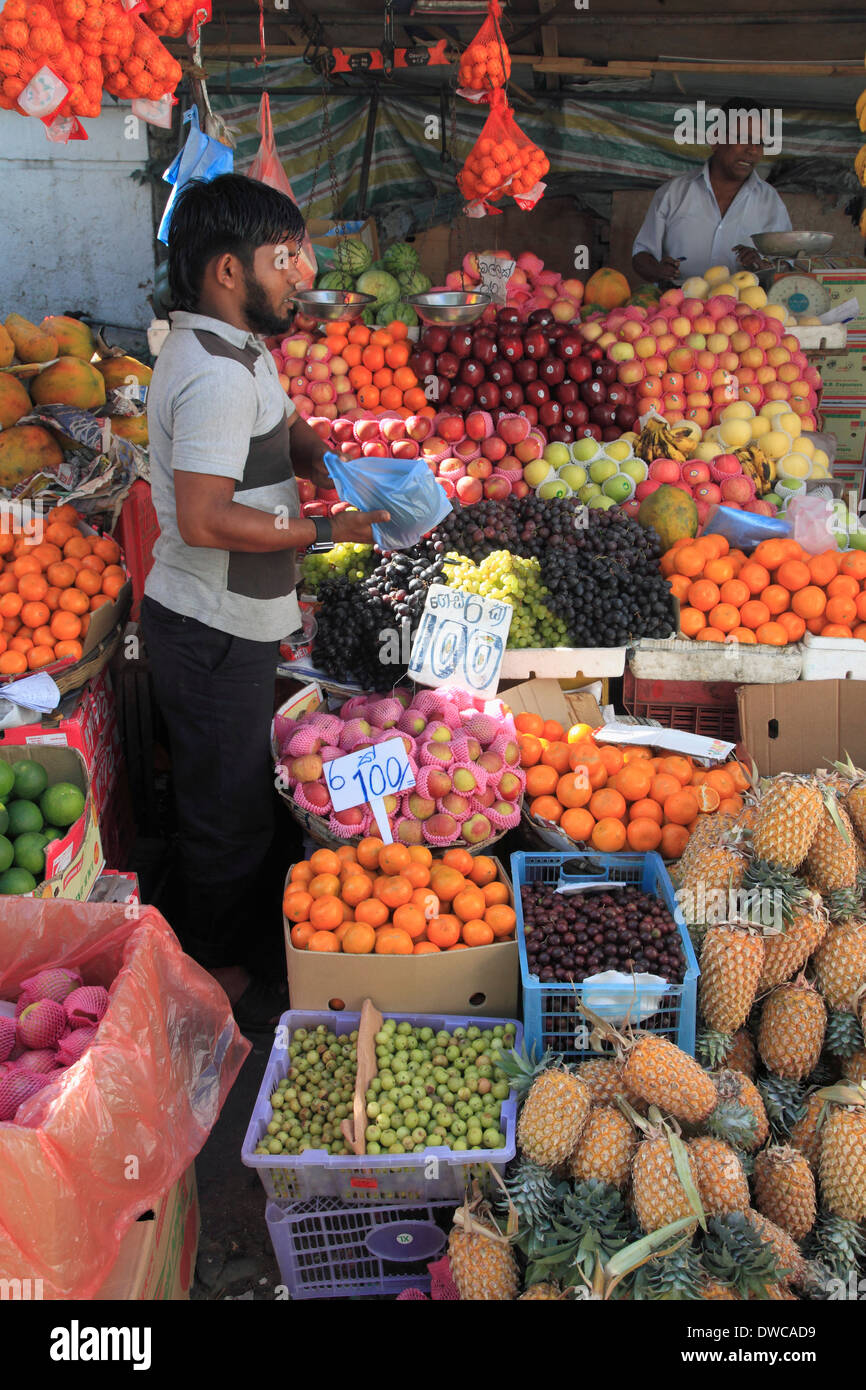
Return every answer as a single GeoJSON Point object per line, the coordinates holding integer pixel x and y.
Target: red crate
{"type": "Point", "coordinates": [693, 707]}
{"type": "Point", "coordinates": [136, 532]}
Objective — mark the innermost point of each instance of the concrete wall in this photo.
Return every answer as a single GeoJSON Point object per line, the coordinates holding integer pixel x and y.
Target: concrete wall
{"type": "Point", "coordinates": [76, 232]}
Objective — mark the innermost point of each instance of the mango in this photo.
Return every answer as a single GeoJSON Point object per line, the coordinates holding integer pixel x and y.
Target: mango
{"type": "Point", "coordinates": [120, 371]}
{"type": "Point", "coordinates": [69, 382]}
{"type": "Point", "coordinates": [131, 427]}
{"type": "Point", "coordinates": [14, 400]}
{"type": "Point", "coordinates": [31, 344]}
{"type": "Point", "coordinates": [74, 338]}
{"type": "Point", "coordinates": [671, 513]}
{"type": "Point", "coordinates": [25, 450]}
{"type": "Point", "coordinates": [7, 348]}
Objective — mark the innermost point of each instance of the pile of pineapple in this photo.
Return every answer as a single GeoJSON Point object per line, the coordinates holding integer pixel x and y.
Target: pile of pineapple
{"type": "Point", "coordinates": [647, 1174]}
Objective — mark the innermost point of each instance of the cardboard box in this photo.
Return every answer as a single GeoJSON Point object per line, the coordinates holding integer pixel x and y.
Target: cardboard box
{"type": "Point", "coordinates": [844, 373]}
{"type": "Point", "coordinates": [845, 417]}
{"type": "Point", "coordinates": [547, 698]}
{"type": "Point", "coordinates": [847, 284]}
{"type": "Point", "coordinates": [804, 725]}
{"type": "Point", "coordinates": [157, 1255]}
{"type": "Point", "coordinates": [85, 720]}
{"type": "Point", "coordinates": [73, 863]}
{"type": "Point", "coordinates": [479, 982]}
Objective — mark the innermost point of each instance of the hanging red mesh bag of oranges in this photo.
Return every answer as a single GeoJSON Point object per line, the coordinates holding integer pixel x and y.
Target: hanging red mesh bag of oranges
{"type": "Point", "coordinates": [173, 18]}
{"type": "Point", "coordinates": [42, 73]}
{"type": "Point", "coordinates": [503, 160]}
{"type": "Point", "coordinates": [134, 62]}
{"type": "Point", "coordinates": [486, 64]}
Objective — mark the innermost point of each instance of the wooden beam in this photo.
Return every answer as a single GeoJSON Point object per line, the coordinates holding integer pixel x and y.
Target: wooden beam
{"type": "Point", "coordinates": [580, 67]}
{"type": "Point", "coordinates": [549, 43]}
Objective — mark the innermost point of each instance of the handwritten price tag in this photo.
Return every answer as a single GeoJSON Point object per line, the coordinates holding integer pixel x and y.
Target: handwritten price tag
{"type": "Point", "coordinates": [460, 641]}
{"type": "Point", "coordinates": [495, 274]}
{"type": "Point", "coordinates": [370, 774]}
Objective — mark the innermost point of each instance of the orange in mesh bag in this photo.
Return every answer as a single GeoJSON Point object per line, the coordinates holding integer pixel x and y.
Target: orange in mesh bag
{"type": "Point", "coordinates": [503, 160]}
{"type": "Point", "coordinates": [176, 17]}
{"type": "Point", "coordinates": [134, 62]}
{"type": "Point", "coordinates": [149, 1088]}
{"type": "Point", "coordinates": [41, 71]}
{"type": "Point", "coordinates": [486, 63]}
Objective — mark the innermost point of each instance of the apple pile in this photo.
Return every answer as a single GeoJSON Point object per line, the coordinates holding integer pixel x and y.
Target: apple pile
{"type": "Point", "coordinates": [690, 357]}
{"type": "Point", "coordinates": [462, 751]}
{"type": "Point", "coordinates": [541, 369]}
{"type": "Point", "coordinates": [55, 1021]}
{"type": "Point", "coordinates": [531, 286]}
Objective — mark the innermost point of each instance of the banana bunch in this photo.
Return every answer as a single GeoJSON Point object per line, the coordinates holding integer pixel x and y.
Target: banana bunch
{"type": "Point", "coordinates": [688, 436]}
{"type": "Point", "coordinates": [758, 467]}
{"type": "Point", "coordinates": [860, 159]}
{"type": "Point", "coordinates": [861, 109]}
{"type": "Point", "coordinates": [658, 441]}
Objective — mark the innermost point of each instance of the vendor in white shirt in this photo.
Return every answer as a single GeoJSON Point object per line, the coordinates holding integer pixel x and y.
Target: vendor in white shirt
{"type": "Point", "coordinates": [709, 218]}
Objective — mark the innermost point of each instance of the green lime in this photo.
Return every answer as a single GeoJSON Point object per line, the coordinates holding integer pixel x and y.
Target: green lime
{"type": "Point", "coordinates": [62, 804]}
{"type": "Point", "coordinates": [30, 852]}
{"type": "Point", "coordinates": [4, 819]}
{"type": "Point", "coordinates": [7, 780]}
{"type": "Point", "coordinates": [7, 853]}
{"type": "Point", "coordinates": [17, 881]}
{"type": "Point", "coordinates": [30, 780]}
{"type": "Point", "coordinates": [50, 832]}
{"type": "Point", "coordinates": [24, 816]}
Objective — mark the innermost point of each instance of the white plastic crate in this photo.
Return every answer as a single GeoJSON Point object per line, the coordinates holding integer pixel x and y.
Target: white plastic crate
{"type": "Point", "coordinates": [833, 658]}
{"type": "Point", "coordinates": [683, 659]}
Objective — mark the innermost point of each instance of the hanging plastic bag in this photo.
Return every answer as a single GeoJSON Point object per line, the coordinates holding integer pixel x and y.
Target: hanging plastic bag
{"type": "Point", "coordinates": [503, 160]}
{"type": "Point", "coordinates": [404, 487]}
{"type": "Point", "coordinates": [202, 157]}
{"type": "Point", "coordinates": [486, 63]}
{"type": "Point", "coordinates": [97, 1147]}
{"type": "Point", "coordinates": [815, 523]}
{"type": "Point", "coordinates": [267, 168]}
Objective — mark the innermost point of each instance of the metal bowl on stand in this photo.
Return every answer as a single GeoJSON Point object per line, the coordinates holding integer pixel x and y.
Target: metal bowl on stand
{"type": "Point", "coordinates": [789, 245]}
{"type": "Point", "coordinates": [328, 305]}
{"type": "Point", "coordinates": [452, 308]}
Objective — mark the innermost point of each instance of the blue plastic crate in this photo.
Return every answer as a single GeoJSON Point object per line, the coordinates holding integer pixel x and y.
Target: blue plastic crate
{"type": "Point", "coordinates": [551, 1017]}
{"type": "Point", "coordinates": [327, 1250]}
{"type": "Point", "coordinates": [436, 1174]}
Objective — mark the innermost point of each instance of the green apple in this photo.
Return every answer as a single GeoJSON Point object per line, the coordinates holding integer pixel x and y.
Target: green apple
{"type": "Point", "coordinates": [588, 491]}
{"type": "Point", "coordinates": [555, 488]}
{"type": "Point", "coordinates": [773, 498]}
{"type": "Point", "coordinates": [573, 475]}
{"type": "Point", "coordinates": [556, 455]}
{"type": "Point", "coordinates": [584, 450]}
{"type": "Point", "coordinates": [635, 469]}
{"type": "Point", "coordinates": [619, 488]}
{"type": "Point", "coordinates": [602, 503]}
{"type": "Point", "coordinates": [602, 469]}
{"type": "Point", "coordinates": [537, 472]}
{"type": "Point", "coordinates": [618, 450]}
{"type": "Point", "coordinates": [857, 536]}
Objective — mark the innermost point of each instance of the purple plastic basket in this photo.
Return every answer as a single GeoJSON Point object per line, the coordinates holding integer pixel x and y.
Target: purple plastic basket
{"type": "Point", "coordinates": [437, 1174]}
{"type": "Point", "coordinates": [327, 1250]}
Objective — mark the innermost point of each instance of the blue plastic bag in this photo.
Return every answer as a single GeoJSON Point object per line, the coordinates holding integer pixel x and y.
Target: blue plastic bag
{"type": "Point", "coordinates": [744, 530]}
{"type": "Point", "coordinates": [202, 157]}
{"type": "Point", "coordinates": [404, 487]}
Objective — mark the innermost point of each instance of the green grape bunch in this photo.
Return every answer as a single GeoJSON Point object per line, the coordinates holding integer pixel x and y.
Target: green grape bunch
{"type": "Point", "coordinates": [354, 562]}
{"type": "Point", "coordinates": [514, 580]}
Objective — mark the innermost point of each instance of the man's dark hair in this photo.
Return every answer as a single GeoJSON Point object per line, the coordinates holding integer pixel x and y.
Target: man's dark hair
{"type": "Point", "coordinates": [229, 214]}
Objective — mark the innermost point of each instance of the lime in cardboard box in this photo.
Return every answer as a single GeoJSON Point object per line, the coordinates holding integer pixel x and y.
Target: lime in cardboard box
{"type": "Point", "coordinates": [74, 862]}
{"type": "Point", "coordinates": [156, 1260]}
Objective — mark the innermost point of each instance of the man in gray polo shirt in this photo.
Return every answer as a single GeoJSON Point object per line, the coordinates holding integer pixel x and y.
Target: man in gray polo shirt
{"type": "Point", "coordinates": [225, 445]}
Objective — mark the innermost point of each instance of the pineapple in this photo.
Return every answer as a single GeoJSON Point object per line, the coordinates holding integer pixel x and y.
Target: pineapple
{"type": "Point", "coordinates": [712, 869]}
{"type": "Point", "coordinates": [855, 798]}
{"type": "Point", "coordinates": [659, 1196]}
{"type": "Point", "coordinates": [838, 1245]}
{"type": "Point", "coordinates": [788, 815]}
{"type": "Point", "coordinates": [605, 1148]}
{"type": "Point", "coordinates": [717, 1050]}
{"type": "Point", "coordinates": [534, 1196]}
{"type": "Point", "coordinates": [707, 834]}
{"type": "Point", "coordinates": [731, 962]}
{"type": "Point", "coordinates": [738, 1256]}
{"type": "Point", "coordinates": [840, 964]}
{"type": "Point", "coordinates": [539, 1291]}
{"type": "Point", "coordinates": [843, 1154]}
{"type": "Point", "coordinates": [785, 1250]}
{"type": "Point", "coordinates": [605, 1080]}
{"type": "Point", "coordinates": [482, 1261]}
{"type": "Point", "coordinates": [591, 1227]}
{"type": "Point", "coordinates": [831, 863]}
{"type": "Point", "coordinates": [791, 1033]}
{"type": "Point", "coordinates": [673, 1277]}
{"type": "Point", "coordinates": [722, 1182]}
{"type": "Point", "coordinates": [714, 1290]}
{"type": "Point", "coordinates": [806, 1133]}
{"type": "Point", "coordinates": [663, 1075]}
{"type": "Point", "coordinates": [784, 1100]}
{"type": "Point", "coordinates": [739, 1117]}
{"type": "Point", "coordinates": [785, 1189]}
{"type": "Point", "coordinates": [844, 1036]}
{"type": "Point", "coordinates": [854, 1067]}
{"type": "Point", "coordinates": [552, 1118]}
{"type": "Point", "coordinates": [786, 952]}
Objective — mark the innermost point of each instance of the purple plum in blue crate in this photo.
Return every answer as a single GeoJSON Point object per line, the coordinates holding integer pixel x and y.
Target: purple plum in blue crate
{"type": "Point", "coordinates": [569, 938]}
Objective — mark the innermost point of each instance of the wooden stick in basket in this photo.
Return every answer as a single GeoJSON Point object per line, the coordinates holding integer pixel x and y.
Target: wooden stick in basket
{"type": "Point", "coordinates": [370, 1023]}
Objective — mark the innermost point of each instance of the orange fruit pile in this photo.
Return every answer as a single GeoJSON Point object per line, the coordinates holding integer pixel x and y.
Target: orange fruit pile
{"type": "Point", "coordinates": [495, 167]}
{"type": "Point", "coordinates": [396, 900]}
{"type": "Point", "coordinates": [484, 66]}
{"type": "Point", "coordinates": [378, 366]}
{"type": "Point", "coordinates": [616, 799]}
{"type": "Point", "coordinates": [49, 586]}
{"type": "Point", "coordinates": [31, 37]}
{"type": "Point", "coordinates": [774, 595]}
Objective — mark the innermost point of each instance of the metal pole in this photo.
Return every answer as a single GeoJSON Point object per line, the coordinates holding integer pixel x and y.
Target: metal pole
{"type": "Point", "coordinates": [367, 156]}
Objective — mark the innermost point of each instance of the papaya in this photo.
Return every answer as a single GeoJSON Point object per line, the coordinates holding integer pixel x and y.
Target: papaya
{"type": "Point", "coordinates": [69, 382]}
{"type": "Point", "coordinates": [671, 513]}
{"type": "Point", "coordinates": [25, 450]}
{"type": "Point", "coordinates": [74, 338]}
{"type": "Point", "coordinates": [608, 288]}
{"type": "Point", "coordinates": [14, 400]}
{"type": "Point", "coordinates": [119, 371]}
{"type": "Point", "coordinates": [7, 348]}
{"type": "Point", "coordinates": [31, 344]}
{"type": "Point", "coordinates": [131, 427]}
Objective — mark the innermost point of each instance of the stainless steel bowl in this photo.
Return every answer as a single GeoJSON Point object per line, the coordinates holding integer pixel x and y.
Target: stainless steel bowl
{"type": "Point", "coordinates": [452, 308]}
{"type": "Point", "coordinates": [793, 243]}
{"type": "Point", "coordinates": [327, 305]}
